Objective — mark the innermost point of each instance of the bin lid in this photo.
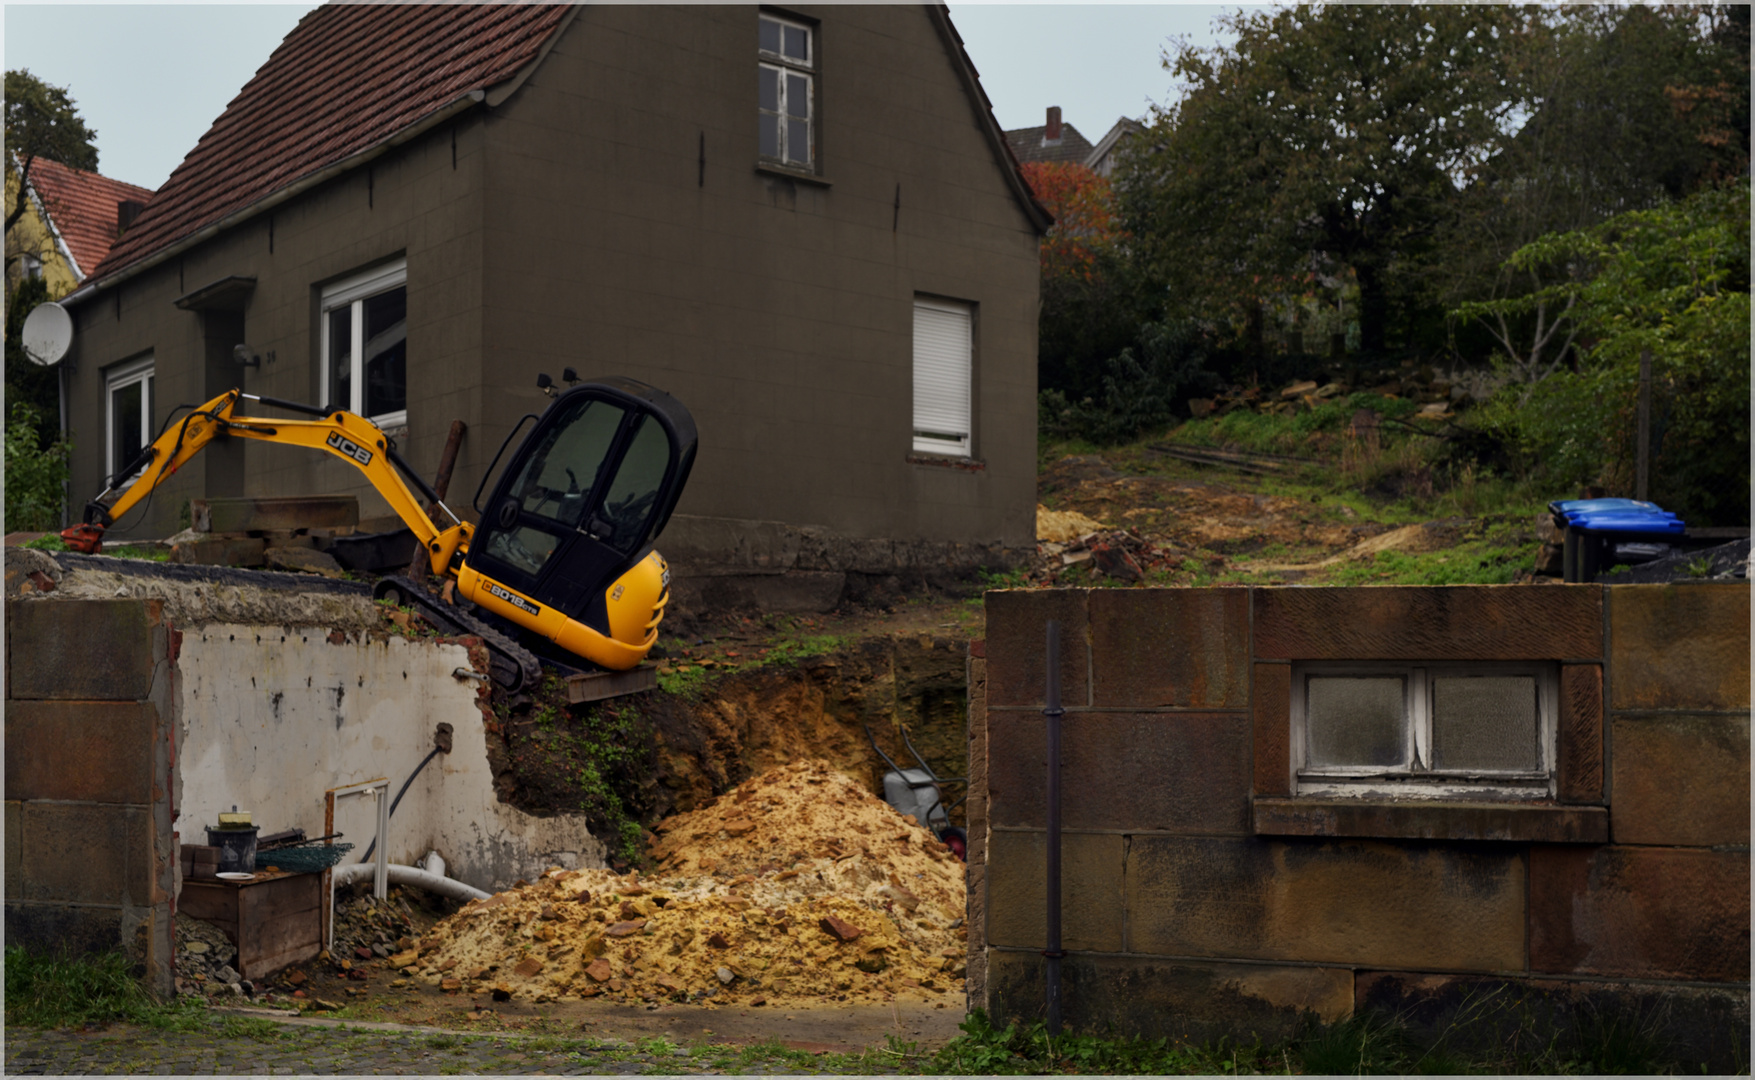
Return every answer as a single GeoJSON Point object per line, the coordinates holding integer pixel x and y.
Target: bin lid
{"type": "Point", "coordinates": [1618, 516]}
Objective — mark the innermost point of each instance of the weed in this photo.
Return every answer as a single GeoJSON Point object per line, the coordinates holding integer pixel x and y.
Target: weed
{"type": "Point", "coordinates": [47, 542]}
{"type": "Point", "coordinates": [63, 990]}
{"type": "Point", "coordinates": [253, 1028]}
{"type": "Point", "coordinates": [1004, 579]}
{"type": "Point", "coordinates": [656, 1045]}
{"type": "Point", "coordinates": [1701, 567]}
{"type": "Point", "coordinates": [441, 1042]}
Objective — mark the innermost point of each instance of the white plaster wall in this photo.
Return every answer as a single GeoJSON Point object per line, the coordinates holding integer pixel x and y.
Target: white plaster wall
{"type": "Point", "coordinates": [275, 716]}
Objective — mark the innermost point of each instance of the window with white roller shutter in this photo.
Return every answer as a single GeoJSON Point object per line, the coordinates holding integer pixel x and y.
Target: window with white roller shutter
{"type": "Point", "coordinates": [943, 373]}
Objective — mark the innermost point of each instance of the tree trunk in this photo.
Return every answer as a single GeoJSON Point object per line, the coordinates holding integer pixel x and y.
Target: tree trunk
{"type": "Point", "coordinates": [1373, 309]}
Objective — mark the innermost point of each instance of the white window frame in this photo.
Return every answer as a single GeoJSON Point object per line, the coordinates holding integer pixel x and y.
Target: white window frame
{"type": "Point", "coordinates": [352, 292]}
{"type": "Point", "coordinates": [1419, 780]}
{"type": "Point", "coordinates": [784, 65]}
{"type": "Point", "coordinates": [944, 377]}
{"type": "Point", "coordinates": [140, 370]}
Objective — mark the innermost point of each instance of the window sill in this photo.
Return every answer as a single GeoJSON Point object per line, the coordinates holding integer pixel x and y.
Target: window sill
{"type": "Point", "coordinates": [1455, 819]}
{"type": "Point", "coordinates": [964, 464]}
{"type": "Point", "coordinates": [800, 175]}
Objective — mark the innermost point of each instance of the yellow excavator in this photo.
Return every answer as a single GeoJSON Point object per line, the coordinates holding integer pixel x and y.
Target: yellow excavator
{"type": "Point", "coordinates": [561, 558]}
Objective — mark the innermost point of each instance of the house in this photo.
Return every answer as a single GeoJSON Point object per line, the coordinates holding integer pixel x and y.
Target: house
{"type": "Point", "coordinates": [804, 224]}
{"type": "Point", "coordinates": [1110, 147]}
{"type": "Point", "coordinates": [1054, 141]}
{"type": "Point", "coordinates": [1060, 141]}
{"type": "Point", "coordinates": [71, 219]}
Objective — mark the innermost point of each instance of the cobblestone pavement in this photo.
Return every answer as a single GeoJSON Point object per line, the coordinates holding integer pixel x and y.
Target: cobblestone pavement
{"type": "Point", "coordinates": [283, 1050]}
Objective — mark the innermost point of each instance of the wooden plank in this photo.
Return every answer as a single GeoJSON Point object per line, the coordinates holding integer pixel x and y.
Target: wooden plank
{"type": "Point", "coordinates": [214, 901]}
{"type": "Point", "coordinates": [607, 684]}
{"type": "Point", "coordinates": [260, 955]}
{"type": "Point", "coordinates": [264, 902]}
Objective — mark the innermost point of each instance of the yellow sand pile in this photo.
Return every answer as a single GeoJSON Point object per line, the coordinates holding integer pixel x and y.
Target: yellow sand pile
{"type": "Point", "coordinates": [1063, 526]}
{"type": "Point", "coordinates": [797, 887]}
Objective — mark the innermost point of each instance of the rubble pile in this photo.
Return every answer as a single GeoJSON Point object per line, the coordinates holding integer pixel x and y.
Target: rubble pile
{"type": "Point", "coordinates": [1120, 553]}
{"type": "Point", "coordinates": [797, 887]}
{"type": "Point", "coordinates": [205, 959]}
{"type": "Point", "coordinates": [1438, 393]}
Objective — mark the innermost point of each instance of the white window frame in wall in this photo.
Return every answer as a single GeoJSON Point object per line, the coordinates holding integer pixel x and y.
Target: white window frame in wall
{"type": "Point", "coordinates": [783, 65]}
{"type": "Point", "coordinates": [352, 292]}
{"type": "Point", "coordinates": [1416, 780]}
{"type": "Point", "coordinates": [120, 377]}
{"type": "Point", "coordinates": [944, 377]}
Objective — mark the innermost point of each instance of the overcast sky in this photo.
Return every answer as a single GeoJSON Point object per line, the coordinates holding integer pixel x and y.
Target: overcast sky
{"type": "Point", "coordinates": [151, 78]}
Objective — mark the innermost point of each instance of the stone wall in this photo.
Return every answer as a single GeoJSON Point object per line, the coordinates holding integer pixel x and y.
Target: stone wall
{"type": "Point", "coordinates": [91, 721]}
{"type": "Point", "coordinates": [1204, 897]}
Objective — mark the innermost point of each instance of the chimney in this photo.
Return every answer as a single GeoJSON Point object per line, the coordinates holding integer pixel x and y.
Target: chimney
{"type": "Point", "coordinates": [1052, 135]}
{"type": "Point", "coordinates": [126, 211]}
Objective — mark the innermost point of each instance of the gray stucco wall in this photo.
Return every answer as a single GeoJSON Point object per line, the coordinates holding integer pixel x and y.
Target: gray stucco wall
{"type": "Point", "coordinates": [575, 230]}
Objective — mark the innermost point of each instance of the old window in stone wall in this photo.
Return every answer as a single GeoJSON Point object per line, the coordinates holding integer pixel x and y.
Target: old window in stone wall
{"type": "Point", "coordinates": [786, 91]}
{"type": "Point", "coordinates": [1424, 729]}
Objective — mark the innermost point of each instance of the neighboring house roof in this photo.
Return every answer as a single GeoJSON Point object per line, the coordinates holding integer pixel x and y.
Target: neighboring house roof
{"type": "Point", "coordinates": [1102, 156]}
{"type": "Point", "coordinates": [347, 79]}
{"type": "Point", "coordinates": [81, 209]}
{"type": "Point", "coordinates": [1031, 144]}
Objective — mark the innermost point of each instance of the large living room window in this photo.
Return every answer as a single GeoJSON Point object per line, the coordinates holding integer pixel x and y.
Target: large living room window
{"type": "Point", "coordinates": [1439, 729]}
{"type": "Point", "coordinates": [786, 91]}
{"type": "Point", "coordinates": [365, 344]}
{"type": "Point", "coordinates": [128, 397]}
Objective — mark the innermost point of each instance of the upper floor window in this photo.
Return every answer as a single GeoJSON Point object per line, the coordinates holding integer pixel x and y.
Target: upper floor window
{"type": "Point", "coordinates": [365, 344]}
{"type": "Point", "coordinates": [128, 405]}
{"type": "Point", "coordinates": [1424, 729]}
{"type": "Point", "coordinates": [786, 91]}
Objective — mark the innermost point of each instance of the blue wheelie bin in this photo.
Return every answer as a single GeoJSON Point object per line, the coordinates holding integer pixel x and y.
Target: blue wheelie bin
{"type": "Point", "coordinates": [1594, 528]}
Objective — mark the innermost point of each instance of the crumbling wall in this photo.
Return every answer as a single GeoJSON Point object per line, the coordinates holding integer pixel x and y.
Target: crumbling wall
{"type": "Point", "coordinates": [91, 714]}
{"type": "Point", "coordinates": [273, 716]}
{"type": "Point", "coordinates": [1204, 896]}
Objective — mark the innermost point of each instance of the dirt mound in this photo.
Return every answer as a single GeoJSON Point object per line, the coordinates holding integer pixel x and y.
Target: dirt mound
{"type": "Point", "coordinates": [796, 887]}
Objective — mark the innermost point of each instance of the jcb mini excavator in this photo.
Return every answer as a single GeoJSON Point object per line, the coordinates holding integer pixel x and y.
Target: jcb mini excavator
{"type": "Point", "coordinates": [562, 557]}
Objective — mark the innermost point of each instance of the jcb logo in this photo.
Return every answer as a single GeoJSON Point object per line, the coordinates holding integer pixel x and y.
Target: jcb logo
{"type": "Point", "coordinates": [343, 445]}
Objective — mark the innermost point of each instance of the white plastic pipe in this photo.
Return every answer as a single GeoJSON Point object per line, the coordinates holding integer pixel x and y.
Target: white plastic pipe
{"type": "Point", "coordinates": [409, 875]}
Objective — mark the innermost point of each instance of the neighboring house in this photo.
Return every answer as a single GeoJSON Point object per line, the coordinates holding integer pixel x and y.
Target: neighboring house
{"type": "Point", "coordinates": [1060, 141]}
{"type": "Point", "coordinates": [70, 222]}
{"type": "Point", "coordinates": [1109, 148]}
{"type": "Point", "coordinates": [1054, 141]}
{"type": "Point", "coordinates": [805, 225]}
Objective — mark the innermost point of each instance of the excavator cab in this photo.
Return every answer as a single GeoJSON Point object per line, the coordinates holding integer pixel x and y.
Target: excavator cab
{"type": "Point", "coordinates": [564, 543]}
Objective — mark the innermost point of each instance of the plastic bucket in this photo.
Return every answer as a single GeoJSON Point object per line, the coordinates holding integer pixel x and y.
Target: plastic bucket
{"type": "Point", "coordinates": [237, 848]}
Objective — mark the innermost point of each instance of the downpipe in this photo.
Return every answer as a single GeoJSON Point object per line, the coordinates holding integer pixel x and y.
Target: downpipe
{"type": "Point", "coordinates": [1052, 714]}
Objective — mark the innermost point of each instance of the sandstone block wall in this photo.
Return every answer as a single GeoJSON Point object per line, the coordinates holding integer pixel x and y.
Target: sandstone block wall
{"type": "Point", "coordinates": [90, 746]}
{"type": "Point", "coordinates": [1203, 896]}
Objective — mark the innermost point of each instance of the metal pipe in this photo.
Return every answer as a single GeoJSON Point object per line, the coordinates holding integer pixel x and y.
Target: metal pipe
{"type": "Point", "coordinates": [1052, 714]}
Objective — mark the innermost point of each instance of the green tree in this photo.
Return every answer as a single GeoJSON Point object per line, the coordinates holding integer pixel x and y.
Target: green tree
{"type": "Point", "coordinates": [1672, 283]}
{"type": "Point", "coordinates": [1326, 138]}
{"type": "Point", "coordinates": [1610, 127]}
{"type": "Point", "coordinates": [43, 122]}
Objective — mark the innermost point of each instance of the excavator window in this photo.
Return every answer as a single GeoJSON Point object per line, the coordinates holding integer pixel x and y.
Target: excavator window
{"type": "Point", "coordinates": [551, 485]}
{"type": "Point", "coordinates": [634, 491]}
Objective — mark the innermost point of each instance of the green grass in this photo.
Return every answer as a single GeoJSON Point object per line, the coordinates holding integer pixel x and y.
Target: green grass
{"type": "Point", "coordinates": [52, 542]}
{"type": "Point", "coordinates": [55, 991]}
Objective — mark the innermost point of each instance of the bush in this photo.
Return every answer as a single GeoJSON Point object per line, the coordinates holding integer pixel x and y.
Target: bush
{"type": "Point", "coordinates": [36, 475]}
{"type": "Point", "coordinates": [1141, 388]}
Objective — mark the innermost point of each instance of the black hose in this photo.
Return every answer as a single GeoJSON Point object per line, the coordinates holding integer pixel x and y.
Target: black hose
{"type": "Point", "coordinates": [435, 752]}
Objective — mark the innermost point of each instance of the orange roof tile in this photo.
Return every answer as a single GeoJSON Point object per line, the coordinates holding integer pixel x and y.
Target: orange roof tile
{"type": "Point", "coordinates": [82, 207]}
{"type": "Point", "coordinates": [348, 77]}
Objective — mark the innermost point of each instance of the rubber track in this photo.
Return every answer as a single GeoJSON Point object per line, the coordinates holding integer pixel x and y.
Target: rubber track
{"type": "Point", "coordinates": [514, 667]}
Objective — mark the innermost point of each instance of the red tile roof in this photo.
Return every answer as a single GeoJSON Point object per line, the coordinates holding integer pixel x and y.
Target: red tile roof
{"type": "Point", "coordinates": [82, 207]}
{"type": "Point", "coordinates": [348, 77]}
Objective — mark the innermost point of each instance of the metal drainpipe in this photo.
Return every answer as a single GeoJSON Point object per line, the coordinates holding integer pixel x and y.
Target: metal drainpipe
{"type": "Point", "coordinates": [1053, 713]}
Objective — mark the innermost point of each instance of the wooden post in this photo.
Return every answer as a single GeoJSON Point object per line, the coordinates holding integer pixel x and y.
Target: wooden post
{"type": "Point", "coordinates": [421, 564]}
{"type": "Point", "coordinates": [1642, 463]}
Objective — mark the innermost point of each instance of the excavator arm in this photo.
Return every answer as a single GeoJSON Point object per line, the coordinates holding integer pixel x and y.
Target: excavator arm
{"type": "Point", "coordinates": [351, 438]}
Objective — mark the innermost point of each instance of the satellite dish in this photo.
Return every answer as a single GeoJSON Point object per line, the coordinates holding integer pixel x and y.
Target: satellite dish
{"type": "Point", "coordinates": [48, 333]}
